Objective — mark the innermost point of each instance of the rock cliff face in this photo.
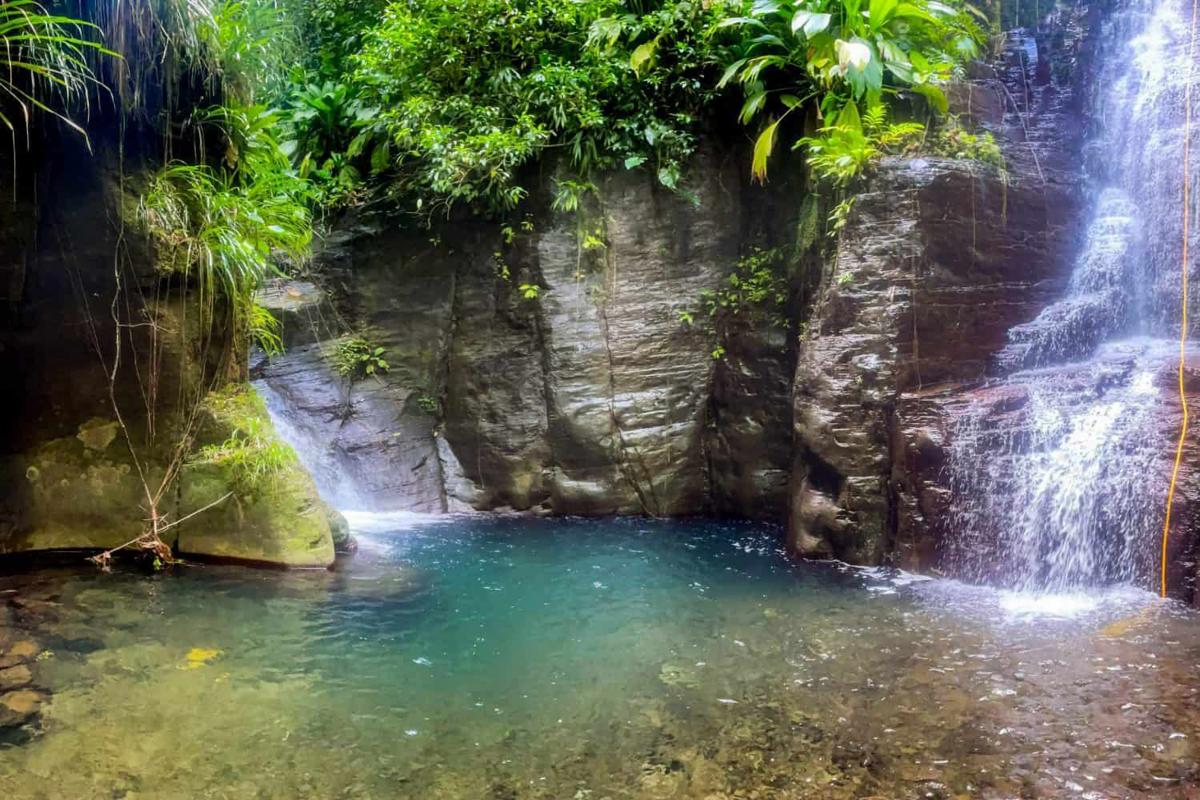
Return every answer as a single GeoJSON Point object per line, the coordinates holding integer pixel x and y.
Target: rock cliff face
{"type": "Point", "coordinates": [594, 397]}
{"type": "Point", "coordinates": [938, 261]}
{"type": "Point", "coordinates": [947, 278]}
{"type": "Point", "coordinates": [67, 476]}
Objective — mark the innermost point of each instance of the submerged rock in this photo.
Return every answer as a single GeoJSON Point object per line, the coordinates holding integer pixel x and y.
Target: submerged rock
{"type": "Point", "coordinates": [15, 677]}
{"type": "Point", "coordinates": [20, 707]}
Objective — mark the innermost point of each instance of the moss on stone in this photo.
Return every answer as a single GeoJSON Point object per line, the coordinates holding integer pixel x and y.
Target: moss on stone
{"type": "Point", "coordinates": [83, 492]}
{"type": "Point", "coordinates": [78, 492]}
{"type": "Point", "coordinates": [272, 513]}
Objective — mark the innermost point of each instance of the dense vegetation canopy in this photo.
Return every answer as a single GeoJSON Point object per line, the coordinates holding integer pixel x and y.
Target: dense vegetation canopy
{"type": "Point", "coordinates": [298, 107]}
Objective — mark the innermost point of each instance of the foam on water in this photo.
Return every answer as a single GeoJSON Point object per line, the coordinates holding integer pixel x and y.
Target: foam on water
{"type": "Point", "coordinates": [379, 522]}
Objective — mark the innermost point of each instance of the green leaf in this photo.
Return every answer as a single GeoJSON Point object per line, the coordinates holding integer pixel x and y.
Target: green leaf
{"type": "Point", "coordinates": [633, 162]}
{"type": "Point", "coordinates": [910, 11]}
{"type": "Point", "coordinates": [810, 23]}
{"type": "Point", "coordinates": [730, 72]}
{"type": "Point", "coordinates": [762, 151]}
{"type": "Point", "coordinates": [643, 55]}
{"type": "Point", "coordinates": [790, 100]}
{"type": "Point", "coordinates": [754, 103]}
{"type": "Point", "coordinates": [935, 96]}
{"type": "Point", "coordinates": [730, 22]}
{"type": "Point", "coordinates": [880, 12]}
{"type": "Point", "coordinates": [849, 117]}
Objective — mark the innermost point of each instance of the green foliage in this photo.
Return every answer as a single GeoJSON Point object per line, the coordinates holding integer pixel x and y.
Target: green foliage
{"type": "Point", "coordinates": [225, 226]}
{"type": "Point", "coordinates": [266, 331]}
{"type": "Point", "coordinates": [253, 43]}
{"type": "Point", "coordinates": [428, 404]}
{"type": "Point", "coordinates": [952, 140]}
{"type": "Point", "coordinates": [44, 63]}
{"type": "Point", "coordinates": [530, 291]}
{"type": "Point", "coordinates": [842, 57]}
{"type": "Point", "coordinates": [319, 121]}
{"type": "Point", "coordinates": [840, 215]}
{"type": "Point", "coordinates": [356, 358]}
{"type": "Point", "coordinates": [569, 195]}
{"type": "Point", "coordinates": [333, 30]}
{"type": "Point", "coordinates": [253, 455]}
{"type": "Point", "coordinates": [757, 289]}
{"type": "Point", "coordinates": [756, 286]}
{"type": "Point", "coordinates": [844, 149]}
{"type": "Point", "coordinates": [470, 91]}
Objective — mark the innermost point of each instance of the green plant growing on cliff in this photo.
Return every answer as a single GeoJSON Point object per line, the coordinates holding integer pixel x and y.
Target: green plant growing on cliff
{"type": "Point", "coordinates": [44, 64]}
{"type": "Point", "coordinates": [952, 140]}
{"type": "Point", "coordinates": [224, 228]}
{"type": "Point", "coordinates": [838, 59]}
{"type": "Point", "coordinates": [266, 330]}
{"type": "Point", "coordinates": [356, 358]}
{"type": "Point", "coordinates": [847, 147]}
{"type": "Point", "coordinates": [218, 226]}
{"type": "Point", "coordinates": [757, 289]}
{"type": "Point", "coordinates": [470, 91]}
{"type": "Point", "coordinates": [252, 455]}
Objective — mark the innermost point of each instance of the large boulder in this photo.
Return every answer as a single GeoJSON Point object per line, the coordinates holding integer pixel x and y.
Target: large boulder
{"type": "Point", "coordinates": [244, 495]}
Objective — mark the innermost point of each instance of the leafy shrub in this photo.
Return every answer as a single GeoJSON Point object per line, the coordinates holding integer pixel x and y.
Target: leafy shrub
{"type": "Point", "coordinates": [952, 140]}
{"type": "Point", "coordinates": [757, 286]}
{"type": "Point", "coordinates": [844, 57]}
{"type": "Point", "coordinates": [472, 90]}
{"type": "Point", "coordinates": [223, 226]}
{"type": "Point", "coordinates": [43, 63]}
{"type": "Point", "coordinates": [756, 289]}
{"type": "Point", "coordinates": [356, 358]}
{"type": "Point", "coordinates": [252, 455]}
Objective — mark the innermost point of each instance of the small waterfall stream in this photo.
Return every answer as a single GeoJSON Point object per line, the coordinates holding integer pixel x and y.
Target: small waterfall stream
{"type": "Point", "coordinates": [1055, 468]}
{"type": "Point", "coordinates": [314, 449]}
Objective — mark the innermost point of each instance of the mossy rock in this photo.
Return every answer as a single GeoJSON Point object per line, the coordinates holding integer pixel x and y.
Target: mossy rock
{"type": "Point", "coordinates": [77, 492]}
{"type": "Point", "coordinates": [83, 492]}
{"type": "Point", "coordinates": [271, 512]}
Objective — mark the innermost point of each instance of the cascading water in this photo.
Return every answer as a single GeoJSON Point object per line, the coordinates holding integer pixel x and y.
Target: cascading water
{"type": "Point", "coordinates": [1055, 468]}
{"type": "Point", "coordinates": [313, 449]}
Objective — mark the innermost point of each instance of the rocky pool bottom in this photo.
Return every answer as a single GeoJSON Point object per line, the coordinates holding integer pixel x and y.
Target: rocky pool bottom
{"type": "Point", "coordinates": [502, 659]}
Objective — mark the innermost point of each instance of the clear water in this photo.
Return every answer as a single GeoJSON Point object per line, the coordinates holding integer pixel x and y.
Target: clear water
{"type": "Point", "coordinates": [504, 658]}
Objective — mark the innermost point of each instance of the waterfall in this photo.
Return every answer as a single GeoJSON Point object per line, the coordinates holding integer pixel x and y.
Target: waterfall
{"type": "Point", "coordinates": [1055, 468]}
{"type": "Point", "coordinates": [314, 448]}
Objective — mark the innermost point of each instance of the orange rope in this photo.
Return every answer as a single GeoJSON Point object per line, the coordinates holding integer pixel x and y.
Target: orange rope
{"type": "Point", "coordinates": [1183, 327]}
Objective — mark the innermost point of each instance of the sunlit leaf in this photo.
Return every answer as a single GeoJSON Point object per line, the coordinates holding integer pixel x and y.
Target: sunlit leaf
{"type": "Point", "coordinates": [763, 147]}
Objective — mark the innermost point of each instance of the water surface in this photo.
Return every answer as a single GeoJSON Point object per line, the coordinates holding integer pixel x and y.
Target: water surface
{"type": "Point", "coordinates": [505, 658]}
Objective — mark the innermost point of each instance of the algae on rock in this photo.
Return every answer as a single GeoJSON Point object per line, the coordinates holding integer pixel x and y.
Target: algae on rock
{"type": "Point", "coordinates": [271, 512]}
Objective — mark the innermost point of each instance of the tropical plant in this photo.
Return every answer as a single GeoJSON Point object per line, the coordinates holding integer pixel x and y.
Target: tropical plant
{"type": "Point", "coordinates": [44, 64]}
{"type": "Point", "coordinates": [266, 330]}
{"type": "Point", "coordinates": [756, 290]}
{"type": "Point", "coordinates": [841, 58]}
{"type": "Point", "coordinates": [472, 90]}
{"type": "Point", "coordinates": [218, 232]}
{"type": "Point", "coordinates": [253, 43]}
{"type": "Point", "coordinates": [252, 456]}
{"type": "Point", "coordinates": [356, 358]}
{"type": "Point", "coordinates": [845, 148]}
